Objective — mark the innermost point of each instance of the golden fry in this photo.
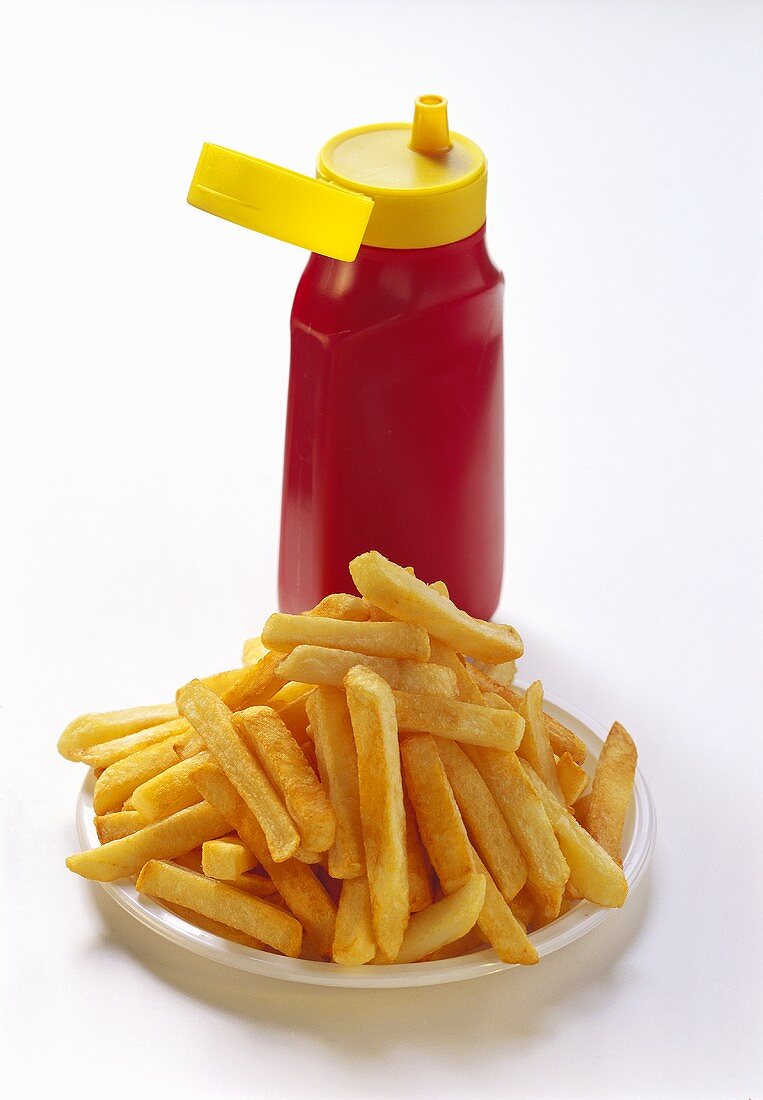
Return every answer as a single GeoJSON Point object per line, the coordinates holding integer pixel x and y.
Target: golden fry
{"type": "Point", "coordinates": [428, 679]}
{"type": "Point", "coordinates": [399, 640]}
{"type": "Point", "coordinates": [93, 729]}
{"type": "Point", "coordinates": [593, 872]}
{"type": "Point", "coordinates": [118, 824]}
{"type": "Point", "coordinates": [226, 858]}
{"type": "Point", "coordinates": [499, 729]}
{"type": "Point", "coordinates": [291, 775]}
{"type": "Point", "coordinates": [108, 752]}
{"type": "Point", "coordinates": [547, 870]}
{"type": "Point", "coordinates": [572, 778]}
{"type": "Point", "coordinates": [354, 937]}
{"type": "Point", "coordinates": [611, 791]}
{"type": "Point", "coordinates": [117, 782]}
{"type": "Point", "coordinates": [562, 740]}
{"type": "Point", "coordinates": [253, 651]}
{"type": "Point", "coordinates": [168, 792]}
{"type": "Point", "coordinates": [372, 711]}
{"type": "Point", "coordinates": [465, 945]}
{"type": "Point", "coordinates": [163, 839]}
{"type": "Point", "coordinates": [442, 654]}
{"type": "Point", "coordinates": [397, 592]}
{"type": "Point", "coordinates": [535, 747]}
{"type": "Point", "coordinates": [222, 902]}
{"type": "Point", "coordinates": [419, 867]}
{"type": "Point", "coordinates": [314, 664]}
{"type": "Point", "coordinates": [499, 926]}
{"type": "Point", "coordinates": [255, 686]}
{"type": "Point", "coordinates": [484, 822]}
{"type": "Point", "coordinates": [340, 605]}
{"type": "Point", "coordinates": [442, 830]}
{"type": "Point", "coordinates": [295, 882]}
{"type": "Point", "coordinates": [445, 921]}
{"type": "Point", "coordinates": [215, 927]}
{"type": "Point", "coordinates": [213, 722]}
{"type": "Point", "coordinates": [338, 766]}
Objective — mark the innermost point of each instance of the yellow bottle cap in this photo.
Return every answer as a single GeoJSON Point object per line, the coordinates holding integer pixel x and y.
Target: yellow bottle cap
{"type": "Point", "coordinates": [428, 183]}
{"type": "Point", "coordinates": [390, 185]}
{"type": "Point", "coordinates": [281, 203]}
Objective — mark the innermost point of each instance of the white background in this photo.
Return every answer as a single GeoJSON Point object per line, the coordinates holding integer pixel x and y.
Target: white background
{"type": "Point", "coordinates": [145, 352]}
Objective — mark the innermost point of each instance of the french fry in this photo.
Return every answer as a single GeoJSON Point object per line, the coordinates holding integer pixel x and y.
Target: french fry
{"type": "Point", "coordinates": [116, 825]}
{"type": "Point", "coordinates": [440, 825]}
{"type": "Point", "coordinates": [309, 664]}
{"type": "Point", "coordinates": [338, 766]}
{"type": "Point", "coordinates": [503, 673]}
{"type": "Point", "coordinates": [484, 822]}
{"type": "Point", "coordinates": [94, 729]}
{"type": "Point", "coordinates": [340, 605]}
{"type": "Point", "coordinates": [442, 654]}
{"type": "Point", "coordinates": [222, 902]}
{"type": "Point", "coordinates": [562, 740]}
{"type": "Point", "coordinates": [260, 886]}
{"type": "Point", "coordinates": [253, 651]}
{"type": "Point", "coordinates": [163, 839]}
{"type": "Point", "coordinates": [313, 664]}
{"type": "Point", "coordinates": [167, 792]}
{"type": "Point", "coordinates": [189, 746]}
{"type": "Point", "coordinates": [212, 720]}
{"type": "Point", "coordinates": [523, 906]}
{"type": "Point", "coordinates": [593, 872]}
{"type": "Point", "coordinates": [255, 686]}
{"type": "Point", "coordinates": [294, 716]}
{"type": "Point", "coordinates": [226, 858]}
{"type": "Point", "coordinates": [572, 778]}
{"type": "Point", "coordinates": [419, 867]}
{"type": "Point", "coordinates": [580, 809]}
{"type": "Point", "coordinates": [399, 640]}
{"type": "Point", "coordinates": [535, 746]}
{"type": "Point", "coordinates": [499, 729]}
{"type": "Point", "coordinates": [295, 882]}
{"type": "Point", "coordinates": [444, 921]}
{"type": "Point", "coordinates": [499, 926]}
{"type": "Point", "coordinates": [372, 711]}
{"type": "Point", "coordinates": [117, 782]}
{"type": "Point", "coordinates": [108, 752]}
{"type": "Point", "coordinates": [465, 945]}
{"type": "Point", "coordinates": [215, 927]}
{"type": "Point", "coordinates": [354, 937]}
{"type": "Point", "coordinates": [547, 870]}
{"type": "Point", "coordinates": [428, 679]}
{"type": "Point", "coordinates": [291, 775]}
{"type": "Point", "coordinates": [288, 694]}
{"type": "Point", "coordinates": [611, 791]}
{"type": "Point", "coordinates": [409, 599]}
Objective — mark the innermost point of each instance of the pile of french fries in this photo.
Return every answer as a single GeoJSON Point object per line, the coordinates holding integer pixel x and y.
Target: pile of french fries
{"type": "Point", "coordinates": [367, 788]}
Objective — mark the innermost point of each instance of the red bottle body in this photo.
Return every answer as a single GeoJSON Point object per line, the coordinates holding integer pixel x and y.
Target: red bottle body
{"type": "Point", "coordinates": [394, 429]}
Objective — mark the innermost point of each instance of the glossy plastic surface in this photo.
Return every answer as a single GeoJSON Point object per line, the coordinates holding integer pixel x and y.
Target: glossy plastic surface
{"type": "Point", "coordinates": [638, 844]}
{"type": "Point", "coordinates": [394, 432]}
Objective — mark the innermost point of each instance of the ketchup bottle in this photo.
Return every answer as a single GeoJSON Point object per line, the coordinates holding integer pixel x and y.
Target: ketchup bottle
{"type": "Point", "coordinates": [394, 428]}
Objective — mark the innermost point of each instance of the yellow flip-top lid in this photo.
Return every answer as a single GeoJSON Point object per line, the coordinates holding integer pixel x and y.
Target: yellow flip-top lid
{"type": "Point", "coordinates": [390, 185]}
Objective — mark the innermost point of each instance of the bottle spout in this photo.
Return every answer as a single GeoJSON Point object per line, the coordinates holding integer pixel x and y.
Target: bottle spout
{"type": "Point", "coordinates": [430, 134]}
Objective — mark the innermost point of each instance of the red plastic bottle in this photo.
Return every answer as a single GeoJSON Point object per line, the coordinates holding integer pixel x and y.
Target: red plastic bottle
{"type": "Point", "coordinates": [394, 431]}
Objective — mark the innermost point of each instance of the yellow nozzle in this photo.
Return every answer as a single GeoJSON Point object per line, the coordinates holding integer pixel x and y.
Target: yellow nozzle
{"type": "Point", "coordinates": [430, 134]}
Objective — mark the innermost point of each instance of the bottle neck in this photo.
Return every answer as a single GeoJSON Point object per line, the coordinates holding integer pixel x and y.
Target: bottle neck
{"type": "Point", "coordinates": [422, 255]}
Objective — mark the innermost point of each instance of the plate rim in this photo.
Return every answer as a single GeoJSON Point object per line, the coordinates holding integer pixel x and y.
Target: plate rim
{"type": "Point", "coordinates": [579, 920]}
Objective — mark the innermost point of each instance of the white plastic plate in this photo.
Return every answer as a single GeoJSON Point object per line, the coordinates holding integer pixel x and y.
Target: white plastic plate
{"type": "Point", "coordinates": [638, 842]}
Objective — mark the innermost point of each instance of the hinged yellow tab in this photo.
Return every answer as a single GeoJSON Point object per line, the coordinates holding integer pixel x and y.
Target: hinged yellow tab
{"type": "Point", "coordinates": [311, 213]}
